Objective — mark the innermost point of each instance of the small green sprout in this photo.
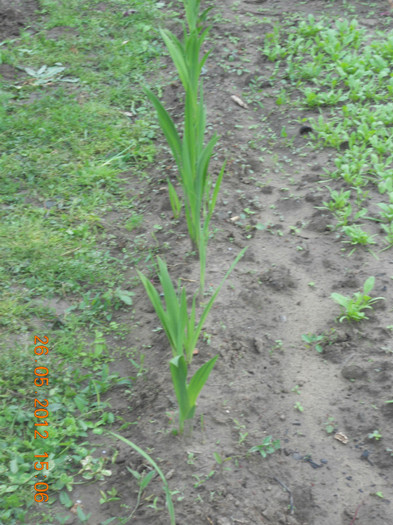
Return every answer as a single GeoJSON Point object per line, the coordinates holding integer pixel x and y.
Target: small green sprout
{"type": "Point", "coordinates": [298, 406]}
{"type": "Point", "coordinates": [268, 446]}
{"type": "Point", "coordinates": [312, 339]}
{"type": "Point", "coordinates": [329, 425]}
{"type": "Point", "coordinates": [375, 435]}
{"type": "Point", "coordinates": [110, 496]}
{"type": "Point", "coordinates": [242, 431]}
{"type": "Point", "coordinates": [220, 460]}
{"type": "Point", "coordinates": [352, 307]}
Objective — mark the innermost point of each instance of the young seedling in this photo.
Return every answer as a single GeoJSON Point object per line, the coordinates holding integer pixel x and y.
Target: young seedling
{"type": "Point", "coordinates": [268, 446]}
{"type": "Point", "coordinates": [338, 200]}
{"type": "Point", "coordinates": [388, 229]}
{"type": "Point", "coordinates": [352, 307]}
{"type": "Point", "coordinates": [329, 425]}
{"type": "Point", "coordinates": [312, 339]}
{"type": "Point", "coordinates": [298, 406]}
{"type": "Point", "coordinates": [375, 435]}
{"type": "Point", "coordinates": [357, 235]}
{"type": "Point", "coordinates": [110, 496]}
{"type": "Point", "coordinates": [242, 431]}
{"type": "Point", "coordinates": [220, 460]}
{"type": "Point", "coordinates": [202, 479]}
{"type": "Point", "coordinates": [143, 481]}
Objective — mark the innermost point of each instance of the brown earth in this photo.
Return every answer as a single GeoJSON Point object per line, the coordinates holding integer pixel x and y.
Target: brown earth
{"type": "Point", "coordinates": [15, 15]}
{"type": "Point", "coordinates": [264, 367]}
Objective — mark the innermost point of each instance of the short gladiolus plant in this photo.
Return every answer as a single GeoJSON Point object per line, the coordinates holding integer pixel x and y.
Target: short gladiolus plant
{"type": "Point", "coordinates": [183, 331]}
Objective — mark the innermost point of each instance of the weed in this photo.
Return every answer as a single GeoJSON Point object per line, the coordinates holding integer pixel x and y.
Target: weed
{"type": "Point", "coordinates": [242, 431]}
{"type": "Point", "coordinates": [111, 495]}
{"type": "Point", "coordinates": [143, 481]}
{"type": "Point", "coordinates": [375, 435]}
{"type": "Point", "coordinates": [268, 446]}
{"type": "Point", "coordinates": [337, 66]}
{"type": "Point", "coordinates": [329, 425]}
{"type": "Point", "coordinates": [312, 339]}
{"type": "Point", "coordinates": [352, 307]}
{"type": "Point", "coordinates": [298, 406]}
{"type": "Point", "coordinates": [65, 148]}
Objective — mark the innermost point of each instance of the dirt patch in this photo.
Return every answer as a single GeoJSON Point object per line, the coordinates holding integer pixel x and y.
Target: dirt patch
{"type": "Point", "coordinates": [8, 73]}
{"type": "Point", "coordinates": [15, 15]}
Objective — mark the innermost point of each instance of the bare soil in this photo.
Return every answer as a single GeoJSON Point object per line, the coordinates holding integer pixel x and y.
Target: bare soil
{"type": "Point", "coordinates": [264, 367]}
{"type": "Point", "coordinates": [15, 15]}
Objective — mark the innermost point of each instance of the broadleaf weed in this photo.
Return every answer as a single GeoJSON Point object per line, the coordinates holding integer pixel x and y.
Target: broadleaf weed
{"type": "Point", "coordinates": [268, 446]}
{"type": "Point", "coordinates": [353, 307]}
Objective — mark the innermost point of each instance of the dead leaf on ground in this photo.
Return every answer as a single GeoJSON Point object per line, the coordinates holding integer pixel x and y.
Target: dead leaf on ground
{"type": "Point", "coordinates": [341, 437]}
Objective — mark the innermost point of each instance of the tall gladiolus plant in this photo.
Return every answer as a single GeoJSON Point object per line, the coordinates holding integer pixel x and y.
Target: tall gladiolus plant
{"type": "Point", "coordinates": [191, 154]}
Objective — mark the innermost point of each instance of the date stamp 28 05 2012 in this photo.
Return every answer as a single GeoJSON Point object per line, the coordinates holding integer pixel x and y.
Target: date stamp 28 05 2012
{"type": "Point", "coordinates": [41, 414]}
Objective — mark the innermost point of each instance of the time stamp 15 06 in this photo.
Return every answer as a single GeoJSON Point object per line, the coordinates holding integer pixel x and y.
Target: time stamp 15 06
{"type": "Point", "coordinates": [41, 413]}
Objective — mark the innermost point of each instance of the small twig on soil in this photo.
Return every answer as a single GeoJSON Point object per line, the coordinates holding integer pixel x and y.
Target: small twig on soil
{"type": "Point", "coordinates": [188, 280]}
{"type": "Point", "coordinates": [289, 492]}
{"type": "Point", "coordinates": [356, 513]}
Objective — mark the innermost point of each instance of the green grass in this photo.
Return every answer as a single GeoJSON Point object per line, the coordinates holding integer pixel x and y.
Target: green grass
{"type": "Point", "coordinates": [66, 135]}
